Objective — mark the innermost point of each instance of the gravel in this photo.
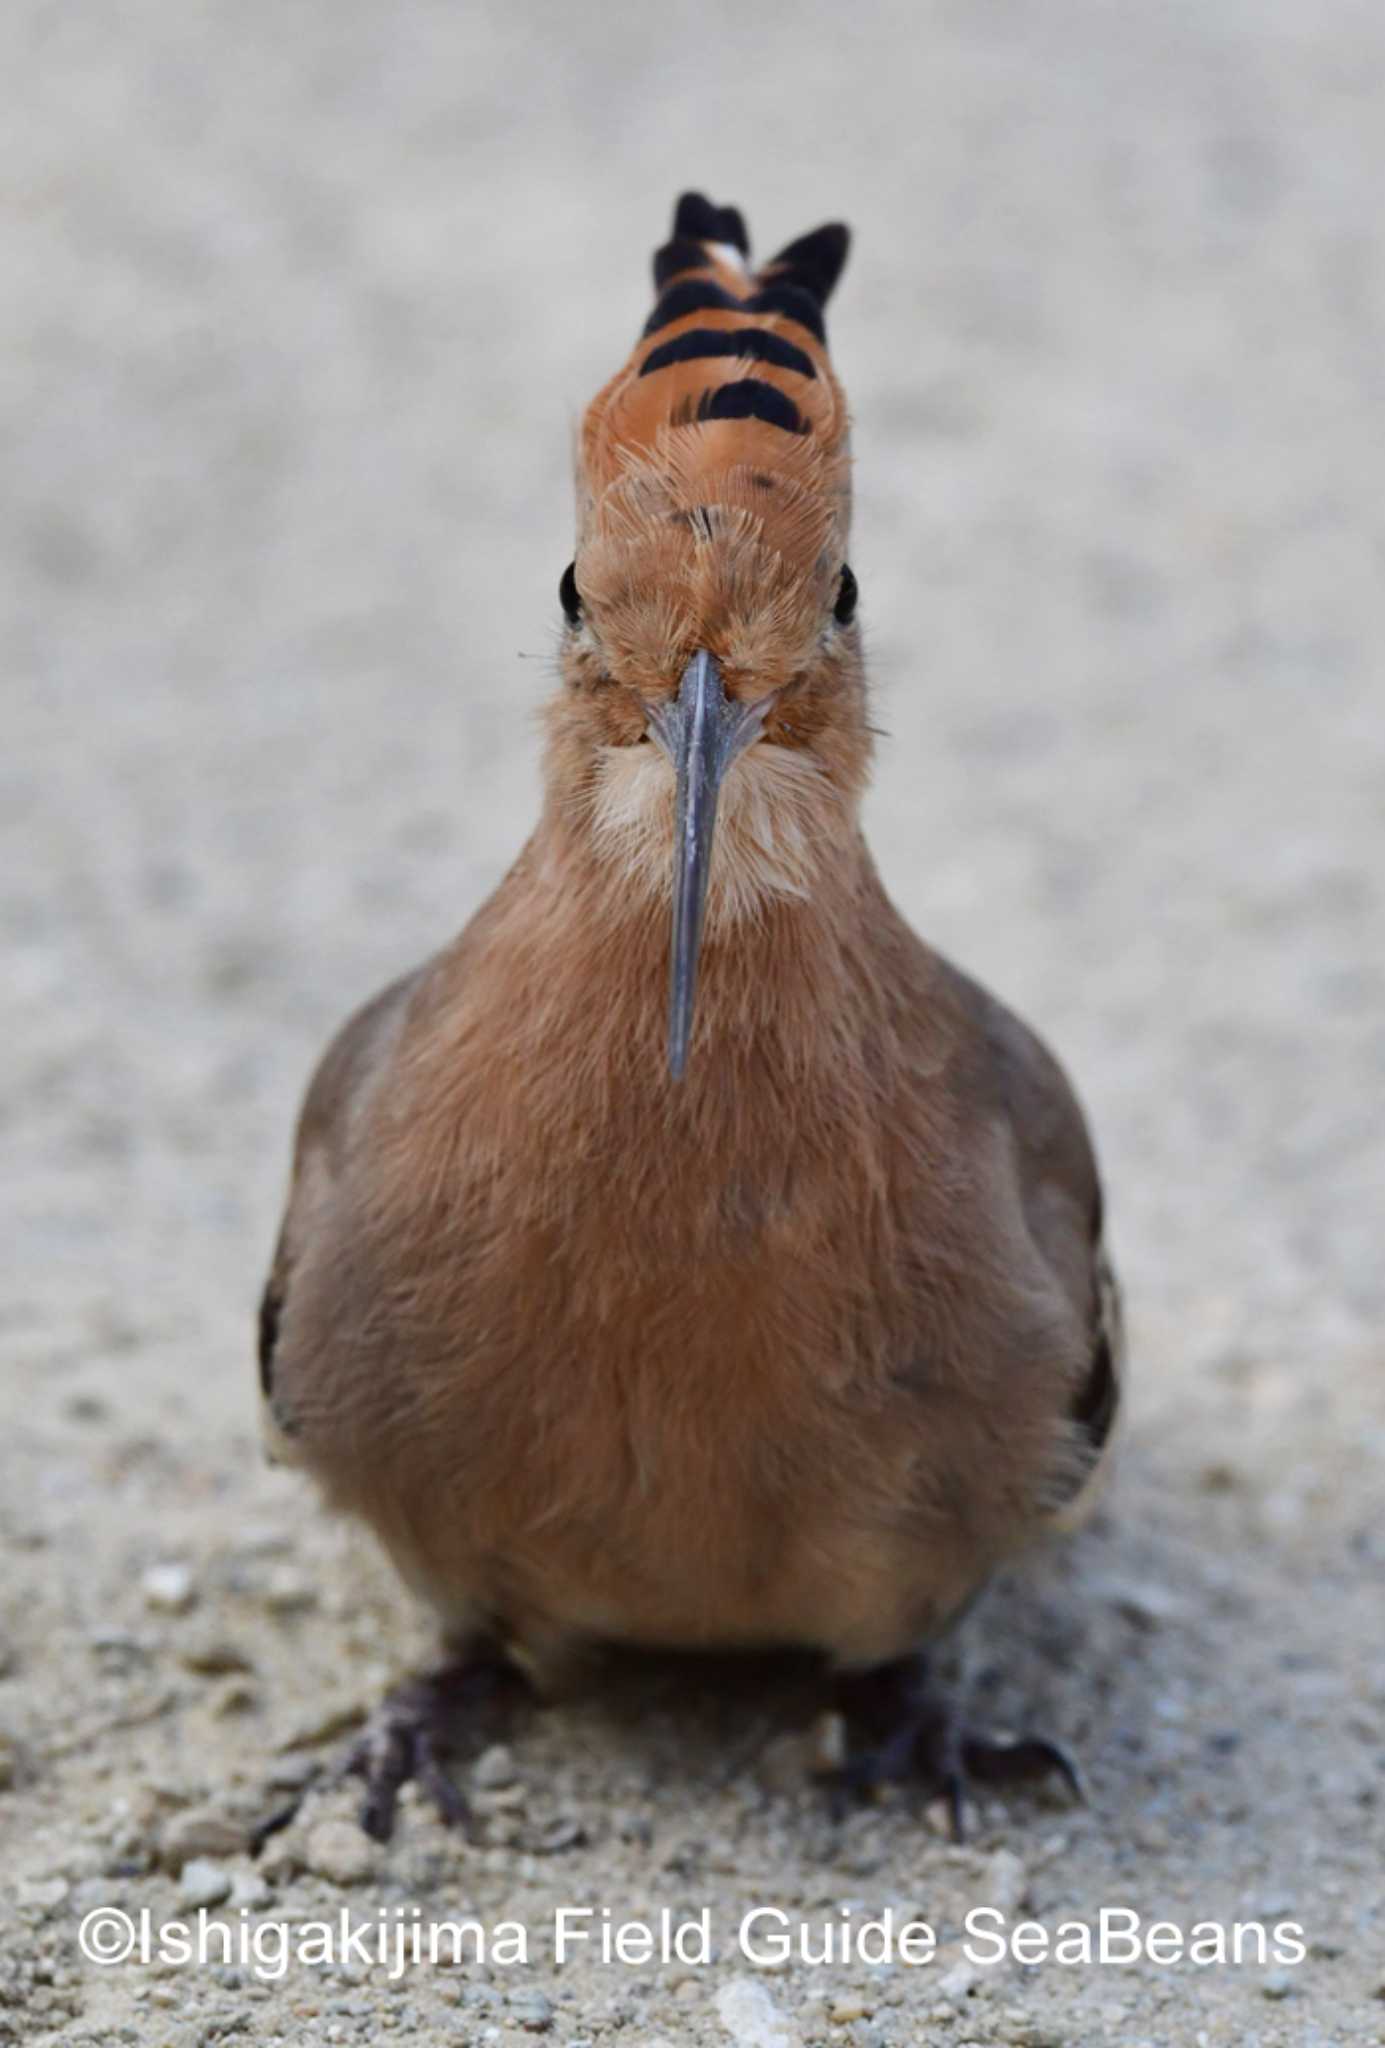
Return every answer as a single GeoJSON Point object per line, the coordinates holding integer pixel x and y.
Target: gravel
{"type": "Point", "coordinates": [203, 1883]}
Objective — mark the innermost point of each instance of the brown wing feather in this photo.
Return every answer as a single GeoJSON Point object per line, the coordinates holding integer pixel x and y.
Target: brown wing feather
{"type": "Point", "coordinates": [1060, 1189]}
{"type": "Point", "coordinates": [336, 1094]}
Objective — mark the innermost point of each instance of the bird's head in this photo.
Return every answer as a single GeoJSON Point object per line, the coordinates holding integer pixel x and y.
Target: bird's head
{"type": "Point", "coordinates": [710, 736]}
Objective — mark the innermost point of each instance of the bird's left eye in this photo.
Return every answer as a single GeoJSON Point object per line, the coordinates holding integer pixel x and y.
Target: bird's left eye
{"type": "Point", "coordinates": [844, 610]}
{"type": "Point", "coordinates": [569, 596]}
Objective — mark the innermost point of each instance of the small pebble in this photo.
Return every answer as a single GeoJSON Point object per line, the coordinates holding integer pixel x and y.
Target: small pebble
{"type": "Point", "coordinates": [1006, 1881]}
{"type": "Point", "coordinates": [493, 1768]}
{"type": "Point", "coordinates": [1019, 2031]}
{"type": "Point", "coordinates": [212, 1656]}
{"type": "Point", "coordinates": [121, 1645]}
{"type": "Point", "coordinates": [1272, 1906]}
{"type": "Point", "coordinates": [249, 1891]}
{"type": "Point", "coordinates": [169, 1588]}
{"type": "Point", "coordinates": [480, 1996]}
{"type": "Point", "coordinates": [92, 1891]}
{"type": "Point", "coordinates": [1145, 1603]}
{"type": "Point", "coordinates": [957, 1982]}
{"type": "Point", "coordinates": [203, 1883]}
{"type": "Point", "coordinates": [531, 2010]}
{"type": "Point", "coordinates": [41, 1892]}
{"type": "Point", "coordinates": [1279, 1984]}
{"type": "Point", "coordinates": [937, 1818]}
{"type": "Point", "coordinates": [281, 1859]}
{"type": "Point", "coordinates": [323, 1723]}
{"type": "Point", "coordinates": [751, 2017]}
{"type": "Point", "coordinates": [339, 1851]}
{"type": "Point", "coordinates": [288, 1592]}
{"type": "Point", "coordinates": [201, 1831]}
{"type": "Point", "coordinates": [504, 1799]}
{"type": "Point", "coordinates": [559, 1835]}
{"type": "Point", "coordinates": [260, 1540]}
{"type": "Point", "coordinates": [850, 2006]}
{"type": "Point", "coordinates": [291, 1773]}
{"type": "Point", "coordinates": [233, 1696]}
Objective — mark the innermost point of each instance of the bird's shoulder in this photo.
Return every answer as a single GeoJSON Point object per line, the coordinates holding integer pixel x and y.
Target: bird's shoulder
{"type": "Point", "coordinates": [355, 1061]}
{"type": "Point", "coordinates": [1012, 1070]}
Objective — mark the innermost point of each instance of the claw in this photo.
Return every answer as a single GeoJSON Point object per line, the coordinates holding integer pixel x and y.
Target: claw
{"type": "Point", "coordinates": [917, 1738]}
{"type": "Point", "coordinates": [408, 1739]}
{"type": "Point", "coordinates": [1013, 1759]}
{"type": "Point", "coordinates": [279, 1817]}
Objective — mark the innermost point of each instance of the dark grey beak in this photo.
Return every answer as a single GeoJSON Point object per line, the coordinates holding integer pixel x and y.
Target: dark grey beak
{"type": "Point", "coordinates": [702, 732]}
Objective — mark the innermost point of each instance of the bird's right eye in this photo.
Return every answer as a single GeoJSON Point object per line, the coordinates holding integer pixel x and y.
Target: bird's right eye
{"type": "Point", "coordinates": [569, 596]}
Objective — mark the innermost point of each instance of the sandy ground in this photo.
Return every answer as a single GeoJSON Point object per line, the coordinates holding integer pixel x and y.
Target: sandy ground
{"type": "Point", "coordinates": [301, 303]}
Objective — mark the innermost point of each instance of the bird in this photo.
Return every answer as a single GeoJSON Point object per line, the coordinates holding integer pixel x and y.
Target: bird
{"type": "Point", "coordinates": [688, 1257]}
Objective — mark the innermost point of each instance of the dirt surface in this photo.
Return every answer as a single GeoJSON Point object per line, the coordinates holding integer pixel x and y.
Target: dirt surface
{"type": "Point", "coordinates": [302, 303]}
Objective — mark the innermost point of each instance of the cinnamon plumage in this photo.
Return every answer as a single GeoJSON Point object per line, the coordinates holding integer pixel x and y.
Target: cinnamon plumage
{"type": "Point", "coordinates": [688, 1256]}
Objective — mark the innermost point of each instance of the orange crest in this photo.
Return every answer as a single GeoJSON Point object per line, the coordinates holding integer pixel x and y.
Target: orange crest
{"type": "Point", "coordinates": [714, 467]}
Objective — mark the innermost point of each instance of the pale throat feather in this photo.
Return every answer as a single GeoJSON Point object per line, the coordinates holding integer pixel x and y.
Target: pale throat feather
{"type": "Point", "coordinates": [778, 823]}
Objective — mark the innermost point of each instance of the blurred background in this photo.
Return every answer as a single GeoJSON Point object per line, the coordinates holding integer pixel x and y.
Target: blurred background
{"type": "Point", "coordinates": [301, 305]}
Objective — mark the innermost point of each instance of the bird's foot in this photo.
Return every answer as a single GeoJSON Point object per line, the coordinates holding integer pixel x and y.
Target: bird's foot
{"type": "Point", "coordinates": [912, 1734]}
{"type": "Point", "coordinates": [408, 1737]}
{"type": "Point", "coordinates": [415, 1728]}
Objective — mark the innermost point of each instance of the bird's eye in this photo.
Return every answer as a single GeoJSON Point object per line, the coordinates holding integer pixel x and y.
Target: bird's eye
{"type": "Point", "coordinates": [569, 596]}
{"type": "Point", "coordinates": [844, 610]}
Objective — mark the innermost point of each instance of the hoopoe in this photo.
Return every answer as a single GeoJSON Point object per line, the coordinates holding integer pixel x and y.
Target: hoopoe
{"type": "Point", "coordinates": [687, 1256]}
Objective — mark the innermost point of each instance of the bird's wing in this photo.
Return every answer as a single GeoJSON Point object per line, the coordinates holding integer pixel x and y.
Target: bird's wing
{"type": "Point", "coordinates": [331, 1108]}
{"type": "Point", "coordinates": [1061, 1195]}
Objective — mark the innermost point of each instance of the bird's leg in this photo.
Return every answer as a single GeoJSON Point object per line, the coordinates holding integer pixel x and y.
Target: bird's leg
{"type": "Point", "coordinates": [911, 1731]}
{"type": "Point", "coordinates": [414, 1729]}
{"type": "Point", "coordinates": [409, 1735]}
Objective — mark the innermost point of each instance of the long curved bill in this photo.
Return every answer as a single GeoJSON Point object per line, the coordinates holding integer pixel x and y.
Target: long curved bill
{"type": "Point", "coordinates": [702, 731]}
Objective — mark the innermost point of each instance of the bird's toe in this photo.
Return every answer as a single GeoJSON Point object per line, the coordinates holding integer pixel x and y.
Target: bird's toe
{"type": "Point", "coordinates": [416, 1729]}
{"type": "Point", "coordinates": [917, 1738]}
